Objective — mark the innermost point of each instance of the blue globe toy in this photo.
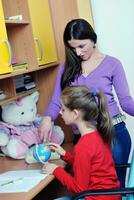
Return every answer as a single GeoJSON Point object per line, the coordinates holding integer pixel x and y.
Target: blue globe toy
{"type": "Point", "coordinates": [41, 153]}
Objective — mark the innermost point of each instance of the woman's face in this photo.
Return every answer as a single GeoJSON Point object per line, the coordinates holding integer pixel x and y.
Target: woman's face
{"type": "Point", "coordinates": [82, 48]}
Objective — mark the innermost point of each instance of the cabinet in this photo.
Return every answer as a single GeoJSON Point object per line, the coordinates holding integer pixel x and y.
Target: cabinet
{"type": "Point", "coordinates": [43, 31]}
{"type": "Point", "coordinates": [17, 44]}
{"type": "Point", "coordinates": [85, 10]}
{"type": "Point", "coordinates": [19, 32]}
{"type": "Point", "coordinates": [62, 12]}
{"type": "Point", "coordinates": [5, 50]}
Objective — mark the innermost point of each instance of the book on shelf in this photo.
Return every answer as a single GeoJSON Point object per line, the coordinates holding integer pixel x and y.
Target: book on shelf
{"type": "Point", "coordinates": [24, 83]}
{"type": "Point", "coordinates": [22, 66]}
{"type": "Point", "coordinates": [15, 17]}
{"type": "Point", "coordinates": [30, 86]}
{"type": "Point", "coordinates": [29, 82]}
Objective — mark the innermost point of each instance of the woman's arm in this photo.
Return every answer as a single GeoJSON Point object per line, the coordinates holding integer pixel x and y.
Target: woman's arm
{"type": "Point", "coordinates": [122, 89]}
{"type": "Point", "coordinates": [52, 111]}
{"type": "Point", "coordinates": [54, 106]}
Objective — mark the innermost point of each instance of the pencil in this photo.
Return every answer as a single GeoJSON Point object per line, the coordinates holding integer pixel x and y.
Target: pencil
{"type": "Point", "coordinates": [11, 182]}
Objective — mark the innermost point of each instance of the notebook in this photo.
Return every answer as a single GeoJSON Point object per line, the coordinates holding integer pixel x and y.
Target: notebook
{"type": "Point", "coordinates": [20, 180]}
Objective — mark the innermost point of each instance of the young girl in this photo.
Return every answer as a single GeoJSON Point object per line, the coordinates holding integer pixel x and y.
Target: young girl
{"type": "Point", "coordinates": [92, 163]}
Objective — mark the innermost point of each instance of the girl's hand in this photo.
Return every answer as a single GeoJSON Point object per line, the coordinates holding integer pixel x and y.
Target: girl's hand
{"type": "Point", "coordinates": [57, 148]}
{"type": "Point", "coordinates": [45, 129]}
{"type": "Point", "coordinates": [48, 168]}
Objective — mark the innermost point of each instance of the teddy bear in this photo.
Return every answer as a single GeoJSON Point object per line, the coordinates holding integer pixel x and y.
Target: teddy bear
{"type": "Point", "coordinates": [19, 128]}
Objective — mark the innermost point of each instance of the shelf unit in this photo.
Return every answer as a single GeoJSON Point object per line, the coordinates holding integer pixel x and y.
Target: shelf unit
{"type": "Point", "coordinates": [40, 75]}
{"type": "Point", "coordinates": [21, 48]}
{"type": "Point", "coordinates": [19, 32]}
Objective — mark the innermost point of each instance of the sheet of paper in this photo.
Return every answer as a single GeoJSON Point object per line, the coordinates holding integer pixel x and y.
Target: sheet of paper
{"type": "Point", "coordinates": [20, 180]}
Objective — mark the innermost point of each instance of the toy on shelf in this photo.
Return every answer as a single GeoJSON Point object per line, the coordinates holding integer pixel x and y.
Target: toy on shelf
{"type": "Point", "coordinates": [19, 129]}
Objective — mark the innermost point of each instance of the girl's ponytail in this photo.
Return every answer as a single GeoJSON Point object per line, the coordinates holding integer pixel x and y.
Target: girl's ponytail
{"type": "Point", "coordinates": [104, 121]}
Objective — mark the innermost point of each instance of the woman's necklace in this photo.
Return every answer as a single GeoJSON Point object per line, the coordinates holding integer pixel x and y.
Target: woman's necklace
{"type": "Point", "coordinates": [92, 64]}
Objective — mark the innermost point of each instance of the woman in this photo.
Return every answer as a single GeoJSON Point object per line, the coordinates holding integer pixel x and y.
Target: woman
{"type": "Point", "coordinates": [86, 65]}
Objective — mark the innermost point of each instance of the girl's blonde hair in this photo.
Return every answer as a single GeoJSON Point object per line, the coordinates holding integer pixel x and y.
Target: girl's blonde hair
{"type": "Point", "coordinates": [93, 107]}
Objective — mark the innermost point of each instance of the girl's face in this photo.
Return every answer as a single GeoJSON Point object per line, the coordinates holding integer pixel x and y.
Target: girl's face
{"type": "Point", "coordinates": [82, 48]}
{"type": "Point", "coordinates": [67, 115]}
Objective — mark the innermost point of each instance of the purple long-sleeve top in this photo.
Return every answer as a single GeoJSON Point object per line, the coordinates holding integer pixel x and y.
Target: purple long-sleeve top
{"type": "Point", "coordinates": [108, 74]}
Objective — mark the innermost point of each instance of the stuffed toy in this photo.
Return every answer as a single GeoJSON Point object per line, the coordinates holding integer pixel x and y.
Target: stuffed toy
{"type": "Point", "coordinates": [19, 129]}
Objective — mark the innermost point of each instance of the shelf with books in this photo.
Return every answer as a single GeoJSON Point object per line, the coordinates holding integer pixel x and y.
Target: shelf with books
{"type": "Point", "coordinates": [23, 94]}
{"type": "Point", "coordinates": [17, 73]}
{"type": "Point", "coordinates": [21, 66]}
{"type": "Point", "coordinates": [19, 32]}
{"type": "Point", "coordinates": [23, 83]}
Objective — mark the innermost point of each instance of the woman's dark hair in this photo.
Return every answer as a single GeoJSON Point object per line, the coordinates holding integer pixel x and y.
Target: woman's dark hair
{"type": "Point", "coordinates": [78, 29]}
{"type": "Point", "coordinates": [93, 107]}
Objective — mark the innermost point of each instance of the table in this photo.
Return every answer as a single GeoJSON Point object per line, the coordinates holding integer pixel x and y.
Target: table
{"type": "Point", "coordinates": [9, 164]}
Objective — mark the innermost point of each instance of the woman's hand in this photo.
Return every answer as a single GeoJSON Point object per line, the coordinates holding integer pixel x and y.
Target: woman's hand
{"type": "Point", "coordinates": [45, 129]}
{"type": "Point", "coordinates": [57, 148]}
{"type": "Point", "coordinates": [48, 168]}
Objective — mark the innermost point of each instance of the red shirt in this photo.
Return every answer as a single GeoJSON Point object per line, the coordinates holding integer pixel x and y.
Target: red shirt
{"type": "Point", "coordinates": [93, 167]}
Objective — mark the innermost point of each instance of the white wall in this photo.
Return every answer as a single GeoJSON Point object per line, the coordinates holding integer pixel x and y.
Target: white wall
{"type": "Point", "coordinates": [113, 21]}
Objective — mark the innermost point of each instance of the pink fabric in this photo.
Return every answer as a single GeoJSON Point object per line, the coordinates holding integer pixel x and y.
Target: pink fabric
{"type": "Point", "coordinates": [25, 133]}
{"type": "Point", "coordinates": [23, 148]}
{"type": "Point", "coordinates": [56, 139]}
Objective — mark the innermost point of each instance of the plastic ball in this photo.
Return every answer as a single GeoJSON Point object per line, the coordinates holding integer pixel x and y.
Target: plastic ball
{"type": "Point", "coordinates": [41, 152]}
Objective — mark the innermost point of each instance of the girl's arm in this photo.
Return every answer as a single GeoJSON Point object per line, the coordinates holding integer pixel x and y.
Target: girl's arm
{"type": "Point", "coordinates": [80, 180]}
{"type": "Point", "coordinates": [66, 156]}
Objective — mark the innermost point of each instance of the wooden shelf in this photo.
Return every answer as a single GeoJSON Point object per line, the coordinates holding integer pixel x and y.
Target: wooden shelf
{"type": "Point", "coordinates": [16, 22]}
{"type": "Point", "coordinates": [16, 73]}
{"type": "Point", "coordinates": [18, 96]}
